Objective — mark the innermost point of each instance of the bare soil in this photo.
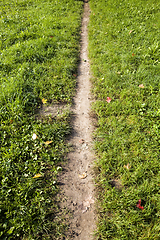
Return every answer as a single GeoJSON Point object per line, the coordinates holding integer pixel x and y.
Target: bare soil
{"type": "Point", "coordinates": [76, 180]}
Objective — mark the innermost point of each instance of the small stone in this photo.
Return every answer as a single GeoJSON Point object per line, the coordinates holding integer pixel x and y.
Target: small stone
{"type": "Point", "coordinates": [81, 141]}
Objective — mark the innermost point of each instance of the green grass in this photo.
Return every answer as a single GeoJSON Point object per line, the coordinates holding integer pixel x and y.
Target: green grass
{"type": "Point", "coordinates": [39, 51]}
{"type": "Point", "coordinates": [39, 42]}
{"type": "Point", "coordinates": [124, 49]}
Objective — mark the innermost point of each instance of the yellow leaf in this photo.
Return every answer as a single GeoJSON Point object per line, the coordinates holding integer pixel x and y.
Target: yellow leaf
{"type": "Point", "coordinates": [37, 175]}
{"type": "Point", "coordinates": [48, 142]}
{"type": "Point", "coordinates": [44, 101]}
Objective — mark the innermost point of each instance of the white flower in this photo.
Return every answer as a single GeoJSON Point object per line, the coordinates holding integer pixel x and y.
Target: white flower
{"type": "Point", "coordinates": [59, 168]}
{"type": "Point", "coordinates": [34, 136]}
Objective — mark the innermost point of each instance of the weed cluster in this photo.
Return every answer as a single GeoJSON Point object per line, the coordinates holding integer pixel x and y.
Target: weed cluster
{"type": "Point", "coordinates": [124, 50]}
{"type": "Point", "coordinates": [39, 46]}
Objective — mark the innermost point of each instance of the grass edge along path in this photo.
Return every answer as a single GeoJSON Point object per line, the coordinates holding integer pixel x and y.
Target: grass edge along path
{"type": "Point", "coordinates": [124, 50]}
{"type": "Point", "coordinates": [39, 51]}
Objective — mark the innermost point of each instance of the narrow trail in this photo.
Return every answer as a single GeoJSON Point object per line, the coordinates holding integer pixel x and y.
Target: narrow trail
{"type": "Point", "coordinates": [76, 180]}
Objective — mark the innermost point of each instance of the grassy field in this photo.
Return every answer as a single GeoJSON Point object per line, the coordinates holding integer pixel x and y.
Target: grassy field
{"type": "Point", "coordinates": [39, 51]}
{"type": "Point", "coordinates": [124, 48]}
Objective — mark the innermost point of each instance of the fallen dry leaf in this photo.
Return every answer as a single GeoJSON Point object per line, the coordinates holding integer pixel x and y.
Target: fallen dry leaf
{"type": "Point", "coordinates": [139, 205]}
{"type": "Point", "coordinates": [84, 175]}
{"type": "Point", "coordinates": [44, 101]}
{"type": "Point", "coordinates": [85, 210]}
{"type": "Point", "coordinates": [37, 175]}
{"type": "Point", "coordinates": [141, 86]}
{"type": "Point", "coordinates": [108, 99]}
{"type": "Point", "coordinates": [127, 166]}
{"type": "Point", "coordinates": [87, 203]}
{"type": "Point", "coordinates": [48, 142]}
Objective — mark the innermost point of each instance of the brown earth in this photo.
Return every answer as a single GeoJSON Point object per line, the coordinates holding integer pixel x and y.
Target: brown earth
{"type": "Point", "coordinates": [76, 180]}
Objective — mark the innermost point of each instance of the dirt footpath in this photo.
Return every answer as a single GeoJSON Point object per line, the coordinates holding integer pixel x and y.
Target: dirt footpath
{"type": "Point", "coordinates": [77, 178]}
